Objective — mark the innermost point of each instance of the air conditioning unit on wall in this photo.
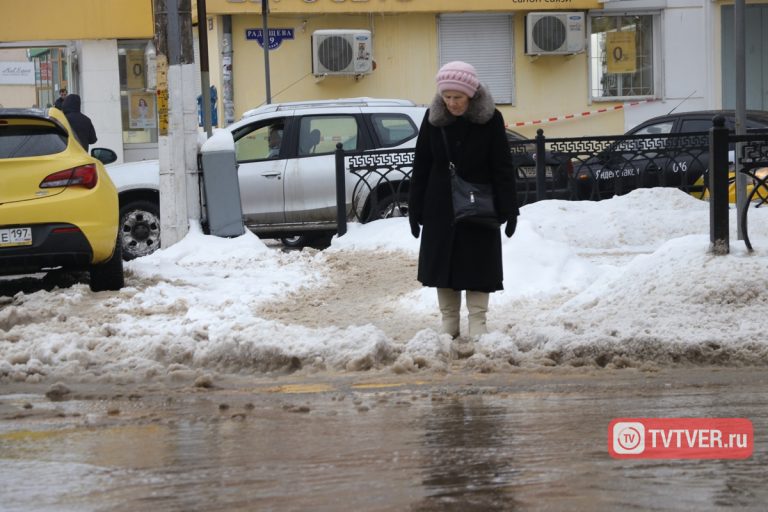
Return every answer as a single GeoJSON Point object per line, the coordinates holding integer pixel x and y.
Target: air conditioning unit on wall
{"type": "Point", "coordinates": [554, 33]}
{"type": "Point", "coordinates": [342, 52]}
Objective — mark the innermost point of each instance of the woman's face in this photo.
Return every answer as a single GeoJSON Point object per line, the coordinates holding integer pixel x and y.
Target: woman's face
{"type": "Point", "coordinates": [456, 102]}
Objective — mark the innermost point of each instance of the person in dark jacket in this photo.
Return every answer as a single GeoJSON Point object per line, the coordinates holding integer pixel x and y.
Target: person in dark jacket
{"type": "Point", "coordinates": [81, 124]}
{"type": "Point", "coordinates": [455, 257]}
{"type": "Point", "coordinates": [59, 103]}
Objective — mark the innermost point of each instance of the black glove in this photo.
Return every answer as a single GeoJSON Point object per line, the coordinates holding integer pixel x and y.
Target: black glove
{"type": "Point", "coordinates": [509, 230]}
{"type": "Point", "coordinates": [415, 229]}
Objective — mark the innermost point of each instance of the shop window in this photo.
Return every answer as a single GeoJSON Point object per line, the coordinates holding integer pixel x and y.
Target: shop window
{"type": "Point", "coordinates": [50, 66]}
{"type": "Point", "coordinates": [138, 93]}
{"type": "Point", "coordinates": [623, 60]}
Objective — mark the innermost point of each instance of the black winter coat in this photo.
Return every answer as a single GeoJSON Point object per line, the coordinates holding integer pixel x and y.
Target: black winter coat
{"type": "Point", "coordinates": [80, 123]}
{"type": "Point", "coordinates": [461, 256]}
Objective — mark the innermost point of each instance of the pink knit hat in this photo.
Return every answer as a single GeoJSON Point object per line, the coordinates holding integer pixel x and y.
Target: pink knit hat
{"type": "Point", "coordinates": [458, 76]}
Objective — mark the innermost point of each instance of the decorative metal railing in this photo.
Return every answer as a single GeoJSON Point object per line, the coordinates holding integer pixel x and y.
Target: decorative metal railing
{"type": "Point", "coordinates": [615, 165]}
{"type": "Point", "coordinates": [753, 158]}
{"type": "Point", "coordinates": [380, 186]}
{"type": "Point", "coordinates": [381, 190]}
{"type": "Point", "coordinates": [580, 168]}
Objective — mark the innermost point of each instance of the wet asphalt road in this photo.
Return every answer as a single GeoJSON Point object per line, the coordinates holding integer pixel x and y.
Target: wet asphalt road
{"type": "Point", "coordinates": [520, 440]}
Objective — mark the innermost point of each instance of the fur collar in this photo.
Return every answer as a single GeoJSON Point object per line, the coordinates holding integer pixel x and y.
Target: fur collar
{"type": "Point", "coordinates": [480, 110]}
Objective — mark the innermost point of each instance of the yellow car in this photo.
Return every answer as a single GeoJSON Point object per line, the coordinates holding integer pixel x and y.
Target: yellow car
{"type": "Point", "coordinates": [58, 207]}
{"type": "Point", "coordinates": [759, 196]}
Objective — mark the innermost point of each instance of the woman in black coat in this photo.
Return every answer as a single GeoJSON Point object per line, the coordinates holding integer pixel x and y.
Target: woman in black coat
{"type": "Point", "coordinates": [455, 257]}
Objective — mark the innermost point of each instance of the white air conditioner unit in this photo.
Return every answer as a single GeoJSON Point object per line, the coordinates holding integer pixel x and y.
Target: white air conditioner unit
{"type": "Point", "coordinates": [342, 52]}
{"type": "Point", "coordinates": [554, 33]}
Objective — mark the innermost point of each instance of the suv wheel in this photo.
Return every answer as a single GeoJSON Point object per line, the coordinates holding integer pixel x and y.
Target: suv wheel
{"type": "Point", "coordinates": [395, 205]}
{"type": "Point", "coordinates": [109, 275]}
{"type": "Point", "coordinates": [317, 240]}
{"type": "Point", "coordinates": [295, 241]}
{"type": "Point", "coordinates": [140, 229]}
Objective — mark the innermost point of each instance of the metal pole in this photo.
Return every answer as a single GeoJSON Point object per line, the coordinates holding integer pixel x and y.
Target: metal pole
{"type": "Point", "coordinates": [265, 44]}
{"type": "Point", "coordinates": [227, 93]}
{"type": "Point", "coordinates": [741, 109]}
{"type": "Point", "coordinates": [177, 126]}
{"type": "Point", "coordinates": [341, 191]}
{"type": "Point", "coordinates": [205, 80]}
{"type": "Point", "coordinates": [541, 169]}
{"type": "Point", "coordinates": [718, 187]}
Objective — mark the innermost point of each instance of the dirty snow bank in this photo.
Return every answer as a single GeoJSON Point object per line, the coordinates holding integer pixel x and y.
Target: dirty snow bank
{"type": "Point", "coordinates": [623, 282]}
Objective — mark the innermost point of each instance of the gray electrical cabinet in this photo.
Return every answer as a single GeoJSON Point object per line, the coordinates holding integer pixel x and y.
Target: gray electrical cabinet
{"type": "Point", "coordinates": [222, 189]}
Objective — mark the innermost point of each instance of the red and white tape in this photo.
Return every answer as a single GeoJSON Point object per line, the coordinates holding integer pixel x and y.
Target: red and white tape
{"type": "Point", "coordinates": [588, 113]}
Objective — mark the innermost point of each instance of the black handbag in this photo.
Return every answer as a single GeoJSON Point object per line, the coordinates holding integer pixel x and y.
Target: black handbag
{"type": "Point", "coordinates": [473, 203]}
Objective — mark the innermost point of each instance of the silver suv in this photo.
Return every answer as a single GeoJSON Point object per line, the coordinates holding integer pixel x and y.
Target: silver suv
{"type": "Point", "coordinates": [286, 168]}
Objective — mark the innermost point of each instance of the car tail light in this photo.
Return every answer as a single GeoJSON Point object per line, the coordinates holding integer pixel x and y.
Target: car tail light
{"type": "Point", "coordinates": [83, 176]}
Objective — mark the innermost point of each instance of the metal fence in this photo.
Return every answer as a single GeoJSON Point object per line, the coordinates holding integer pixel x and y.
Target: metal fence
{"type": "Point", "coordinates": [608, 166]}
{"type": "Point", "coordinates": [580, 168]}
{"type": "Point", "coordinates": [380, 189]}
{"type": "Point", "coordinates": [751, 157]}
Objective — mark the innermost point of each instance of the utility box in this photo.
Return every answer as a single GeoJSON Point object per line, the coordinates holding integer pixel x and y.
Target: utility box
{"type": "Point", "coordinates": [222, 189]}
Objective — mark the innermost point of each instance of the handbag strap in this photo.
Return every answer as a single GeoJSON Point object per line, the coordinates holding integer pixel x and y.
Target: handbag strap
{"type": "Point", "coordinates": [451, 166]}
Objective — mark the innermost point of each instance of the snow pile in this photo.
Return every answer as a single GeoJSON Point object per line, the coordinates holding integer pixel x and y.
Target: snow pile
{"type": "Point", "coordinates": [623, 282]}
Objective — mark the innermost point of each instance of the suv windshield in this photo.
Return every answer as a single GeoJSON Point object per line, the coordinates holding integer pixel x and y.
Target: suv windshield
{"type": "Point", "coordinates": [24, 140]}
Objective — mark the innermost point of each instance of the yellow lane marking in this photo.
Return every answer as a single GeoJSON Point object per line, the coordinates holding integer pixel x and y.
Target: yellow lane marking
{"type": "Point", "coordinates": [324, 388]}
{"type": "Point", "coordinates": [30, 435]}
{"type": "Point", "coordinates": [301, 388]}
{"type": "Point", "coordinates": [376, 385]}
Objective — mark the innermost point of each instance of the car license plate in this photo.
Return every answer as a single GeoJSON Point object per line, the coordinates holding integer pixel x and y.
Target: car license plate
{"type": "Point", "coordinates": [530, 172]}
{"type": "Point", "coordinates": [13, 237]}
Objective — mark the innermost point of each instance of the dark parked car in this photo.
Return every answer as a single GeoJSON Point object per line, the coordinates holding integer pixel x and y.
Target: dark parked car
{"type": "Point", "coordinates": [558, 170]}
{"type": "Point", "coordinates": [644, 160]}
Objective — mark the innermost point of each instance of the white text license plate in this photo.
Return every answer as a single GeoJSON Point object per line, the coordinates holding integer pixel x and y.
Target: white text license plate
{"type": "Point", "coordinates": [12, 237]}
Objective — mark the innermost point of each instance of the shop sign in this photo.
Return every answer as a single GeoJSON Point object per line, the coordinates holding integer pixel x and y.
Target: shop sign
{"type": "Point", "coordinates": [141, 113]}
{"type": "Point", "coordinates": [621, 52]}
{"type": "Point", "coordinates": [17, 73]}
{"type": "Point", "coordinates": [45, 71]}
{"type": "Point", "coordinates": [134, 69]}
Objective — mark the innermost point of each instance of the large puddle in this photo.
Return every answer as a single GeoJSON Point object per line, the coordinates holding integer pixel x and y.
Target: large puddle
{"type": "Point", "coordinates": [484, 443]}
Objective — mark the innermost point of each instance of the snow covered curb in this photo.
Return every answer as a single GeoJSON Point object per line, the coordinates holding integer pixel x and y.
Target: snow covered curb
{"type": "Point", "coordinates": [633, 290]}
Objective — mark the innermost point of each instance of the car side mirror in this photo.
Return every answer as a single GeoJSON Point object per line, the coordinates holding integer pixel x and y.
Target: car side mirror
{"type": "Point", "coordinates": [104, 155]}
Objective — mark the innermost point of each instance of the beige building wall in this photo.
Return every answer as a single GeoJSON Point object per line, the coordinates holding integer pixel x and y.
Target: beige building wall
{"type": "Point", "coordinates": [41, 20]}
{"type": "Point", "coordinates": [405, 48]}
{"type": "Point", "coordinates": [405, 52]}
{"type": "Point", "coordinates": [12, 95]}
{"type": "Point", "coordinates": [17, 96]}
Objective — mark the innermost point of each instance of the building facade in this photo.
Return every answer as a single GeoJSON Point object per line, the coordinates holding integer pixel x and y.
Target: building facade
{"type": "Point", "coordinates": [620, 61]}
{"type": "Point", "coordinates": [639, 58]}
{"type": "Point", "coordinates": [96, 49]}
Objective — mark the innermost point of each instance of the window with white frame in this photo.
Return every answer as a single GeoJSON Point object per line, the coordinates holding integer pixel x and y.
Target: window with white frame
{"type": "Point", "coordinates": [623, 61]}
{"type": "Point", "coordinates": [487, 42]}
